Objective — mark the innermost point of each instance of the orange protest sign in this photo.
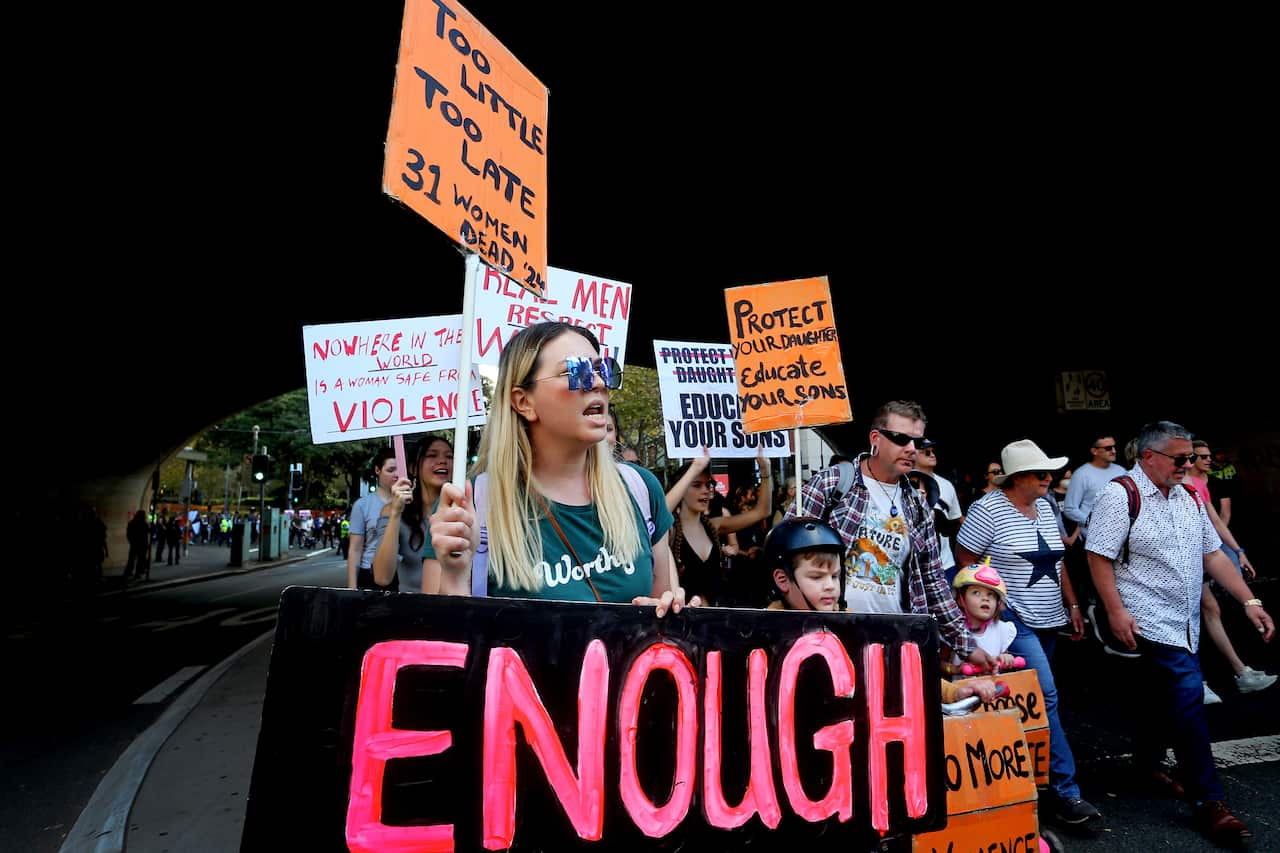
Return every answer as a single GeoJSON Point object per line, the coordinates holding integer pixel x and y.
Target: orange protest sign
{"type": "Point", "coordinates": [787, 355]}
{"type": "Point", "coordinates": [1013, 829]}
{"type": "Point", "coordinates": [988, 762]}
{"type": "Point", "coordinates": [1026, 697]}
{"type": "Point", "coordinates": [466, 146]}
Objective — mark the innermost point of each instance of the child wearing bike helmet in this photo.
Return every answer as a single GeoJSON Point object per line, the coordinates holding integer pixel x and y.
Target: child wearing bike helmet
{"type": "Point", "coordinates": [980, 592]}
{"type": "Point", "coordinates": [804, 555]}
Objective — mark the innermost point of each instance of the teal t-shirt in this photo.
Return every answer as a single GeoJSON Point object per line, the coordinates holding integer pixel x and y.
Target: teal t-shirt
{"type": "Point", "coordinates": [616, 581]}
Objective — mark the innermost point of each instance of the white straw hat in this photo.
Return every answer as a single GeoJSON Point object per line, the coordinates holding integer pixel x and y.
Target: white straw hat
{"type": "Point", "coordinates": [1025, 455]}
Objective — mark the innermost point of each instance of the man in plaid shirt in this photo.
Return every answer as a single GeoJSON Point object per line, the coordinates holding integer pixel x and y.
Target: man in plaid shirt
{"type": "Point", "coordinates": [892, 563]}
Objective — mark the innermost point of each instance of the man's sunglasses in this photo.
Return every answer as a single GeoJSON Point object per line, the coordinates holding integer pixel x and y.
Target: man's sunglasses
{"type": "Point", "coordinates": [1108, 447]}
{"type": "Point", "coordinates": [582, 372]}
{"type": "Point", "coordinates": [1203, 455]}
{"type": "Point", "coordinates": [901, 439]}
{"type": "Point", "coordinates": [1179, 460]}
{"type": "Point", "coordinates": [996, 471]}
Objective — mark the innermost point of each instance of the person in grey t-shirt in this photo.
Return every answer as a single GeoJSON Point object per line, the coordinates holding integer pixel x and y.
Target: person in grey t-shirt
{"type": "Point", "coordinates": [369, 521]}
{"type": "Point", "coordinates": [1086, 483]}
{"type": "Point", "coordinates": [1089, 479]}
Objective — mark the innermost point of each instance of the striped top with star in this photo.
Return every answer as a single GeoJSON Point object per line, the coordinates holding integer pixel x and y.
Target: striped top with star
{"type": "Point", "coordinates": [1026, 553]}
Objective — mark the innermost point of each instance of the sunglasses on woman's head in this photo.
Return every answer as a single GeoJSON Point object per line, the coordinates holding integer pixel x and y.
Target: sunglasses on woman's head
{"type": "Point", "coordinates": [582, 372]}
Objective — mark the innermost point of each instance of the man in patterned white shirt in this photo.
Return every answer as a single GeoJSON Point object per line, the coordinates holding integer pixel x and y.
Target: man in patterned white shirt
{"type": "Point", "coordinates": [1152, 598]}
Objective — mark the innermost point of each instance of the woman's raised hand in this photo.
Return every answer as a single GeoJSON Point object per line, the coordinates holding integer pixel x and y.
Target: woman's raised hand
{"type": "Point", "coordinates": [455, 534]}
{"type": "Point", "coordinates": [401, 495]}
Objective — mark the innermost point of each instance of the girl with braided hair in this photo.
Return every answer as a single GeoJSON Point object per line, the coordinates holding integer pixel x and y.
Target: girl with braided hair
{"type": "Point", "coordinates": [695, 535]}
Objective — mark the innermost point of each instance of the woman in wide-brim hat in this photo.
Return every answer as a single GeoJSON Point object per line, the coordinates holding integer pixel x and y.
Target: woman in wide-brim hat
{"type": "Point", "coordinates": [1016, 526]}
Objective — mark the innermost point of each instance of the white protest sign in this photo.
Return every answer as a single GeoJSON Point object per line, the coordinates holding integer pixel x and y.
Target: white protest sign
{"type": "Point", "coordinates": [503, 308]}
{"type": "Point", "coordinates": [699, 391]}
{"type": "Point", "coordinates": [385, 377]}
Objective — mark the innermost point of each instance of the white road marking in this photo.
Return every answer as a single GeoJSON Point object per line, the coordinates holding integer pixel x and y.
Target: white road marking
{"type": "Point", "coordinates": [1233, 753]}
{"type": "Point", "coordinates": [162, 691]}
{"type": "Point", "coordinates": [180, 622]}
{"type": "Point", "coordinates": [249, 590]}
{"type": "Point", "coordinates": [251, 617]}
{"type": "Point", "coordinates": [1253, 750]}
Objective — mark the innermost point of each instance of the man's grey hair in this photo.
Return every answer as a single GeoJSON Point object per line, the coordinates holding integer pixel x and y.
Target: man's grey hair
{"type": "Point", "coordinates": [1158, 434]}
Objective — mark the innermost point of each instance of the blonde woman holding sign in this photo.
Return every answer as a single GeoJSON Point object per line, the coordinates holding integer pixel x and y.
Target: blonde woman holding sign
{"type": "Point", "coordinates": [550, 515]}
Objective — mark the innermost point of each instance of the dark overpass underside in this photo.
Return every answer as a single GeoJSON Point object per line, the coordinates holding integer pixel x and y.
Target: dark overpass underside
{"type": "Point", "coordinates": [989, 214]}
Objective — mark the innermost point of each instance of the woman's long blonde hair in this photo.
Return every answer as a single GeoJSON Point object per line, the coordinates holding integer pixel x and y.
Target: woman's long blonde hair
{"type": "Point", "coordinates": [506, 454]}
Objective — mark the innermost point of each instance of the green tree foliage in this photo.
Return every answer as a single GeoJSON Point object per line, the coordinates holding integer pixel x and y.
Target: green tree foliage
{"type": "Point", "coordinates": [639, 407]}
{"type": "Point", "coordinates": [332, 474]}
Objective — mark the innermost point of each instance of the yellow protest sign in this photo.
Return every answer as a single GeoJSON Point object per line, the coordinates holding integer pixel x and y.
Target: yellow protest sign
{"type": "Point", "coordinates": [787, 355]}
{"type": "Point", "coordinates": [467, 142]}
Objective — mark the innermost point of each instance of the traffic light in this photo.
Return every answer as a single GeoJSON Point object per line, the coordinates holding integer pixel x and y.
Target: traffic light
{"type": "Point", "coordinates": [261, 468]}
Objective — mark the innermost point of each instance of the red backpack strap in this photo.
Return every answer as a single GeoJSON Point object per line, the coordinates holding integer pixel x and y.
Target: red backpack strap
{"type": "Point", "coordinates": [1135, 507]}
{"type": "Point", "coordinates": [1131, 492]}
{"type": "Point", "coordinates": [1195, 496]}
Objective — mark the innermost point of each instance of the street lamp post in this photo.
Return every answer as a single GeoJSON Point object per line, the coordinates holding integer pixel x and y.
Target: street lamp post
{"type": "Point", "coordinates": [262, 496]}
{"type": "Point", "coordinates": [255, 453]}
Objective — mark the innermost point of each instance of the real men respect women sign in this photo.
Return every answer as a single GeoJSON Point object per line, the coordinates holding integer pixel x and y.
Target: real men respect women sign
{"type": "Point", "coordinates": [502, 309]}
{"type": "Point", "coordinates": [787, 355]}
{"type": "Point", "coordinates": [700, 404]}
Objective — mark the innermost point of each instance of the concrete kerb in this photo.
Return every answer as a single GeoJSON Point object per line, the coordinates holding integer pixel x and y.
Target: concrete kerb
{"type": "Point", "coordinates": [101, 826]}
{"type": "Point", "coordinates": [149, 586]}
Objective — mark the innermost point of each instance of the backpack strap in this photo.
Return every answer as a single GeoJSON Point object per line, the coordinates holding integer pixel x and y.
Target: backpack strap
{"type": "Point", "coordinates": [480, 562]}
{"type": "Point", "coordinates": [842, 488]}
{"type": "Point", "coordinates": [480, 497]}
{"type": "Point", "coordinates": [639, 493]}
{"type": "Point", "coordinates": [1135, 508]}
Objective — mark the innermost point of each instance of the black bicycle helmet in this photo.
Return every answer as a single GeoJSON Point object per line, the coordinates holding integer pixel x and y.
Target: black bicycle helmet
{"type": "Point", "coordinates": [796, 536]}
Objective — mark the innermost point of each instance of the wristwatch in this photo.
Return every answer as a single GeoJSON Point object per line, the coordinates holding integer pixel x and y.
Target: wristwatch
{"type": "Point", "coordinates": [1253, 602]}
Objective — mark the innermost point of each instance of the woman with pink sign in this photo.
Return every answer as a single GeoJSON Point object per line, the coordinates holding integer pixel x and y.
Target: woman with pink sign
{"type": "Point", "coordinates": [400, 556]}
